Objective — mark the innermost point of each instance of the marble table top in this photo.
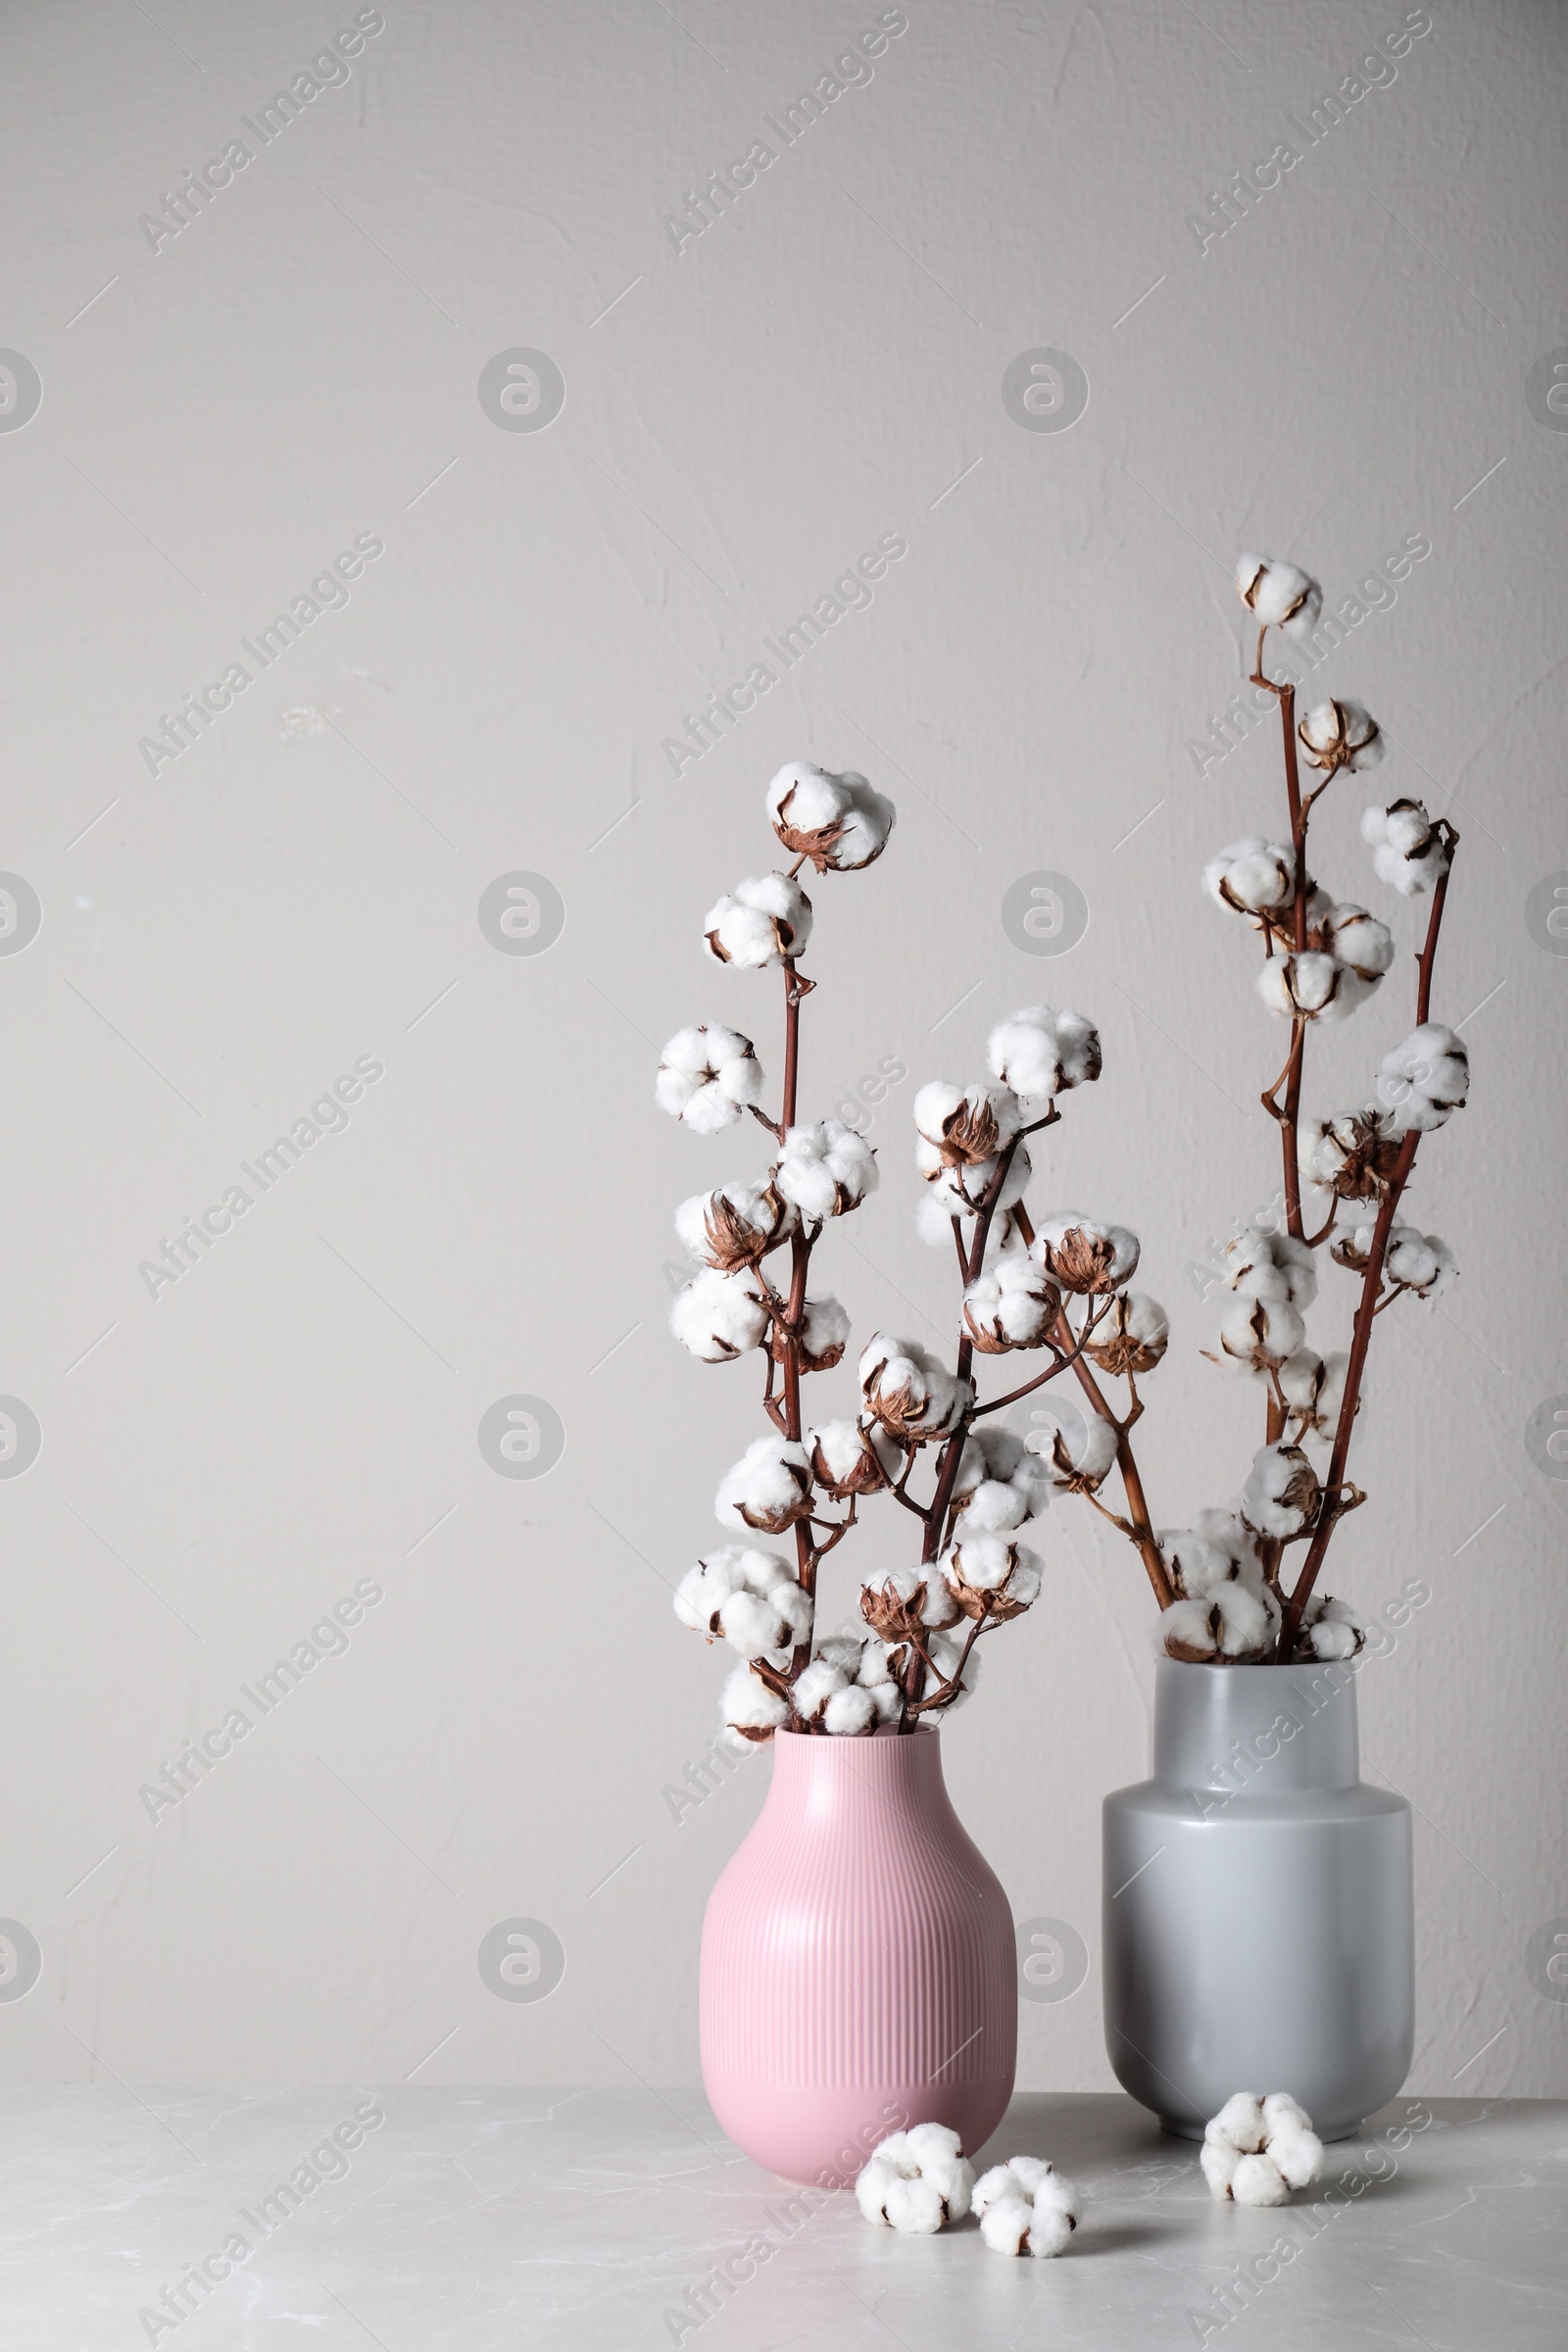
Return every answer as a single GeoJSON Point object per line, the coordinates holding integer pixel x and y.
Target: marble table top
{"type": "Point", "coordinates": [445, 2221]}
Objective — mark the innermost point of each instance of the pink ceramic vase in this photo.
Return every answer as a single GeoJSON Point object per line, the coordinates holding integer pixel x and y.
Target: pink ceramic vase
{"type": "Point", "coordinates": [858, 1968]}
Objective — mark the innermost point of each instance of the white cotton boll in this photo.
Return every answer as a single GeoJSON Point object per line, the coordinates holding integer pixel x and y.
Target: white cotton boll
{"type": "Point", "coordinates": [851, 1713]}
{"type": "Point", "coordinates": [1219, 2161]}
{"type": "Point", "coordinates": [1421, 1262]}
{"type": "Point", "coordinates": [1274, 1266]}
{"type": "Point", "coordinates": [847, 1460]}
{"type": "Point", "coordinates": [718, 1316]}
{"type": "Point", "coordinates": [1352, 1155]}
{"type": "Point", "coordinates": [1297, 2156]}
{"type": "Point", "coordinates": [707, 1076]}
{"type": "Point", "coordinates": [703, 1591]}
{"type": "Point", "coordinates": [750, 1708]}
{"type": "Point", "coordinates": [1409, 850]}
{"type": "Point", "coordinates": [1004, 2224]}
{"type": "Point", "coordinates": [814, 1686]}
{"type": "Point", "coordinates": [1190, 1629]}
{"type": "Point", "coordinates": [768, 1489]}
{"type": "Point", "coordinates": [906, 1389]}
{"type": "Point", "coordinates": [753, 1625]}
{"type": "Point", "coordinates": [1012, 1304]}
{"type": "Point", "coordinates": [1194, 1564]}
{"type": "Point", "coordinates": [1228, 1532]}
{"type": "Point", "coordinates": [1259, 1335]}
{"type": "Point", "coordinates": [1079, 1051]}
{"type": "Point", "coordinates": [1082, 1451]}
{"type": "Point", "coordinates": [1132, 1336]}
{"type": "Point", "coordinates": [825, 1170]}
{"type": "Point", "coordinates": [907, 1594]}
{"type": "Point", "coordinates": [1282, 2112]}
{"type": "Point", "coordinates": [1358, 940]}
{"type": "Point", "coordinates": [872, 2183]}
{"type": "Point", "coordinates": [1281, 1496]}
{"type": "Point", "coordinates": [823, 1335]}
{"type": "Point", "coordinates": [1331, 1628]}
{"type": "Point", "coordinates": [1240, 2122]}
{"type": "Point", "coordinates": [994, 1507]}
{"type": "Point", "coordinates": [939, 2152]}
{"type": "Point", "coordinates": [1337, 735]}
{"type": "Point", "coordinates": [1251, 875]}
{"type": "Point", "coordinates": [838, 823]}
{"type": "Point", "coordinates": [1085, 1255]}
{"type": "Point", "coordinates": [1311, 1389]}
{"type": "Point", "coordinates": [1278, 595]}
{"type": "Point", "coordinates": [1310, 986]}
{"type": "Point", "coordinates": [966, 1125]}
{"type": "Point", "coordinates": [989, 1576]}
{"type": "Point", "coordinates": [1424, 1080]}
{"type": "Point", "coordinates": [1022, 1051]}
{"type": "Point", "coordinates": [916, 2208]}
{"type": "Point", "coordinates": [1256, 2180]}
{"type": "Point", "coordinates": [734, 1225]}
{"type": "Point", "coordinates": [1054, 2218]}
{"type": "Point", "coordinates": [763, 920]}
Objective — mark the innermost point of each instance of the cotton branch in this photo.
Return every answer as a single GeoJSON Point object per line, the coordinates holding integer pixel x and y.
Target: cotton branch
{"type": "Point", "coordinates": [1332, 1509]}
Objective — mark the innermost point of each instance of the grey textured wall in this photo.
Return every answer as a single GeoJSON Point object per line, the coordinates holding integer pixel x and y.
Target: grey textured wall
{"type": "Point", "coordinates": [300, 370]}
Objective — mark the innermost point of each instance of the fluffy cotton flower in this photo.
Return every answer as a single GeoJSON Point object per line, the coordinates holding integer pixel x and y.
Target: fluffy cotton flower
{"type": "Point", "coordinates": [1358, 940]}
{"type": "Point", "coordinates": [1037, 1051]}
{"type": "Point", "coordinates": [846, 1460]}
{"type": "Point", "coordinates": [959, 1191]}
{"type": "Point", "coordinates": [1313, 1388]}
{"type": "Point", "coordinates": [734, 1225]}
{"type": "Point", "coordinates": [1131, 1335]}
{"type": "Point", "coordinates": [825, 1170]}
{"type": "Point", "coordinates": [906, 1389]}
{"type": "Point", "coordinates": [1352, 1157]}
{"type": "Point", "coordinates": [751, 1707]}
{"type": "Point", "coordinates": [747, 1596]}
{"type": "Point", "coordinates": [761, 922]}
{"type": "Point", "coordinates": [999, 1483]}
{"type": "Point", "coordinates": [768, 1489]}
{"type": "Point", "coordinates": [1408, 850]}
{"type": "Point", "coordinates": [707, 1076]}
{"type": "Point", "coordinates": [823, 1336]}
{"type": "Point", "coordinates": [838, 823]}
{"type": "Point", "coordinates": [1251, 875]}
{"type": "Point", "coordinates": [1025, 2207]}
{"type": "Point", "coordinates": [1223, 1608]}
{"type": "Point", "coordinates": [1337, 735]}
{"type": "Point", "coordinates": [1255, 2150]}
{"type": "Point", "coordinates": [1256, 1335]}
{"type": "Point", "coordinates": [916, 2180]}
{"type": "Point", "coordinates": [1084, 1255]}
{"type": "Point", "coordinates": [907, 1598]}
{"type": "Point", "coordinates": [1014, 1303]}
{"type": "Point", "coordinates": [1307, 985]}
{"type": "Point", "coordinates": [1081, 1452]}
{"type": "Point", "coordinates": [718, 1316]}
{"type": "Point", "coordinates": [1420, 1262]}
{"type": "Point", "coordinates": [1281, 1496]}
{"type": "Point", "coordinates": [1330, 1629]}
{"type": "Point", "coordinates": [1263, 1264]}
{"type": "Point", "coordinates": [965, 1125]}
{"type": "Point", "coordinates": [1425, 1080]}
{"type": "Point", "coordinates": [988, 1576]}
{"type": "Point", "coordinates": [1278, 595]}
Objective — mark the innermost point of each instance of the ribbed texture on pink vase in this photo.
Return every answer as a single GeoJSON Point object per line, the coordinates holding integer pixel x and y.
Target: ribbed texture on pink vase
{"type": "Point", "coordinates": [858, 1968]}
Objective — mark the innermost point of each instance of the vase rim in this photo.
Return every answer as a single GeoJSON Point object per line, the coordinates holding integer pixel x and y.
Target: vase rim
{"type": "Point", "coordinates": [883, 1731]}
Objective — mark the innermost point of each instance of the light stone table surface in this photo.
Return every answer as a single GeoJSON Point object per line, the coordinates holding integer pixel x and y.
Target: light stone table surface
{"type": "Point", "coordinates": [468, 2222]}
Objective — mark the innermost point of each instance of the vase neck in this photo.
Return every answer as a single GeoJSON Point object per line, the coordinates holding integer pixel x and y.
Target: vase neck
{"type": "Point", "coordinates": [1264, 1731]}
{"type": "Point", "coordinates": [815, 1774]}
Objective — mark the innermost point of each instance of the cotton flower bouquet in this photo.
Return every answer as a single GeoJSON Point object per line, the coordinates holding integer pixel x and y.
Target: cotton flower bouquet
{"type": "Point", "coordinates": [923, 1438]}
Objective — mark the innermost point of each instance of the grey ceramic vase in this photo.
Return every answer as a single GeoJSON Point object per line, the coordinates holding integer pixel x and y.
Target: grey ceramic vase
{"type": "Point", "coordinates": [1258, 1912]}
